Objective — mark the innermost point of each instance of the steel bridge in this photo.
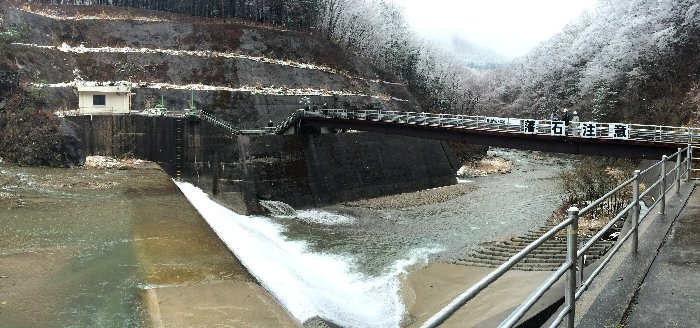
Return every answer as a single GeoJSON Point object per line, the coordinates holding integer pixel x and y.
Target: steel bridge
{"type": "Point", "coordinates": [589, 138]}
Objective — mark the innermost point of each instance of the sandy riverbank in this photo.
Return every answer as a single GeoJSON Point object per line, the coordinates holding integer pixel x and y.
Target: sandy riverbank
{"type": "Point", "coordinates": [413, 199]}
{"type": "Point", "coordinates": [429, 289]}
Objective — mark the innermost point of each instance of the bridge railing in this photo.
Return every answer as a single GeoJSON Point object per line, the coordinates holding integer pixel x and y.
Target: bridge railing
{"type": "Point", "coordinates": [218, 122]}
{"type": "Point", "coordinates": [671, 169]}
{"type": "Point", "coordinates": [649, 133]}
{"type": "Point", "coordinates": [665, 133]}
{"type": "Point", "coordinates": [288, 122]}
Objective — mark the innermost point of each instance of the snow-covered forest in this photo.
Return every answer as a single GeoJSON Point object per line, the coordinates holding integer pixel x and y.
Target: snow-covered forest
{"type": "Point", "coordinates": [627, 60]}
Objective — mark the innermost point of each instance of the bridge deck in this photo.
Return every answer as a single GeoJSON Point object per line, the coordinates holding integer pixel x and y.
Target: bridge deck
{"type": "Point", "coordinates": [641, 143]}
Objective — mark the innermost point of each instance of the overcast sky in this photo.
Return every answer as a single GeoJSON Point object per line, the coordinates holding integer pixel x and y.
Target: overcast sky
{"type": "Point", "coordinates": [509, 27]}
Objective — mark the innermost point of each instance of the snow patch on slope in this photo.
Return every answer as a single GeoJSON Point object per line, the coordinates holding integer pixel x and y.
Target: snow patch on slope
{"type": "Point", "coordinates": [81, 49]}
{"type": "Point", "coordinates": [271, 90]}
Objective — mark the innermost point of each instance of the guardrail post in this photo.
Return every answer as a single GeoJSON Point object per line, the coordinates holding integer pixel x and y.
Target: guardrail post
{"type": "Point", "coordinates": [581, 263]}
{"type": "Point", "coordinates": [571, 249]}
{"type": "Point", "coordinates": [662, 208]}
{"type": "Point", "coordinates": [636, 210]}
{"type": "Point", "coordinates": [690, 163]}
{"type": "Point", "coordinates": [678, 171]}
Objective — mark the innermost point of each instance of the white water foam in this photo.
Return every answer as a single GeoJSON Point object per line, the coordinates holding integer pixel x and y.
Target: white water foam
{"type": "Point", "coordinates": [278, 208]}
{"type": "Point", "coordinates": [461, 181]}
{"type": "Point", "coordinates": [324, 217]}
{"type": "Point", "coordinates": [307, 284]}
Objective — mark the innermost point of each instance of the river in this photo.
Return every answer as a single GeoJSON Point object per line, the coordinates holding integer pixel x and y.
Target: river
{"type": "Point", "coordinates": [83, 244]}
{"type": "Point", "coordinates": [344, 263]}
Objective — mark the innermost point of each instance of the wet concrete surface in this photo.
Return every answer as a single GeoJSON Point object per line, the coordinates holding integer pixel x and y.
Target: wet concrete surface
{"type": "Point", "coordinates": [81, 248]}
{"type": "Point", "coordinates": [642, 289]}
{"type": "Point", "coordinates": [670, 294]}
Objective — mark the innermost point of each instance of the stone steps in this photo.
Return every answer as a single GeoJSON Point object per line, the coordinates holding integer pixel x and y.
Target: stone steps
{"type": "Point", "coordinates": [522, 267]}
{"type": "Point", "coordinates": [548, 257]}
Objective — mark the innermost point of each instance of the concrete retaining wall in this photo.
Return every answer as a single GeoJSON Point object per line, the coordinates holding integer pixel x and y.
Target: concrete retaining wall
{"type": "Point", "coordinates": [301, 170]}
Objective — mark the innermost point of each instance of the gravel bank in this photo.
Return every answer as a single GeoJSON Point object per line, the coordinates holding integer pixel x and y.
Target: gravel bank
{"type": "Point", "coordinates": [489, 165]}
{"type": "Point", "coordinates": [413, 199]}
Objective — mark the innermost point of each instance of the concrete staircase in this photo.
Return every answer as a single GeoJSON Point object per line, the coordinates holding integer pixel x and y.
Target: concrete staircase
{"type": "Point", "coordinates": [547, 257]}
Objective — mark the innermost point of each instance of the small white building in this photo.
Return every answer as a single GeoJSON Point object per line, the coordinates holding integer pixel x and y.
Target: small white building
{"type": "Point", "coordinates": [111, 99]}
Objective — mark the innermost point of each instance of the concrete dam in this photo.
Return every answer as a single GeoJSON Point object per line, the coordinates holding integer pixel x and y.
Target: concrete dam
{"type": "Point", "coordinates": [302, 170]}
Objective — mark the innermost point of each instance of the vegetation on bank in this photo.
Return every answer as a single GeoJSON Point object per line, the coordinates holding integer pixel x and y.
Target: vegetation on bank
{"type": "Point", "coordinates": [590, 179]}
{"type": "Point", "coordinates": [28, 134]}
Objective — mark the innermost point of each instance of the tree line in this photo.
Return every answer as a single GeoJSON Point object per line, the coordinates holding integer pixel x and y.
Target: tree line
{"type": "Point", "coordinates": [296, 14]}
{"type": "Point", "coordinates": [627, 60]}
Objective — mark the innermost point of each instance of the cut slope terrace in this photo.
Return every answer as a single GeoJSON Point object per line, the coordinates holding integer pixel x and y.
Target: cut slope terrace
{"type": "Point", "coordinates": [243, 73]}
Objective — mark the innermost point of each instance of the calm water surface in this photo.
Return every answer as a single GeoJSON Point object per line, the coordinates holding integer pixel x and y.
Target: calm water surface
{"type": "Point", "coordinates": [78, 246]}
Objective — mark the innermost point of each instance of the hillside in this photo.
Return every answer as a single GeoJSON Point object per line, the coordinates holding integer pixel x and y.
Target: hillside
{"type": "Point", "coordinates": [244, 73]}
{"type": "Point", "coordinates": [629, 60]}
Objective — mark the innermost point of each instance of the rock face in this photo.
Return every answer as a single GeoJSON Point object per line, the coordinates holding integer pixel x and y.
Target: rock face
{"type": "Point", "coordinates": [244, 74]}
{"type": "Point", "coordinates": [71, 145]}
{"type": "Point", "coordinates": [39, 139]}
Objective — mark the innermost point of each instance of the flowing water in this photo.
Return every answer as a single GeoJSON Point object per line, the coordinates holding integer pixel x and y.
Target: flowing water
{"type": "Point", "coordinates": [344, 263]}
{"type": "Point", "coordinates": [278, 208]}
{"type": "Point", "coordinates": [78, 247]}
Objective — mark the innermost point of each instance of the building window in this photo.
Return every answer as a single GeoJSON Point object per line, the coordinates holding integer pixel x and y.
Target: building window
{"type": "Point", "coordinates": [99, 100]}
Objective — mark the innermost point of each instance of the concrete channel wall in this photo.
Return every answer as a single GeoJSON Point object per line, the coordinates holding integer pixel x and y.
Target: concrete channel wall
{"type": "Point", "coordinates": [301, 170]}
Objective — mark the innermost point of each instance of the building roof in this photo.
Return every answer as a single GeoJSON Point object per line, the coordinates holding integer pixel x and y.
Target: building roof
{"type": "Point", "coordinates": [105, 89]}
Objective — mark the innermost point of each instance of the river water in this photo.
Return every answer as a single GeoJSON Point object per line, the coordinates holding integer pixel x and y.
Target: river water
{"type": "Point", "coordinates": [79, 246]}
{"type": "Point", "coordinates": [344, 263]}
{"type": "Point", "coordinates": [82, 245]}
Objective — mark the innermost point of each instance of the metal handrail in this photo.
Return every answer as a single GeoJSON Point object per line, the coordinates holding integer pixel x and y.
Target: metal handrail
{"type": "Point", "coordinates": [216, 121]}
{"type": "Point", "coordinates": [649, 133]}
{"type": "Point", "coordinates": [289, 121]}
{"type": "Point", "coordinates": [470, 293]}
{"type": "Point", "coordinates": [525, 306]}
{"type": "Point", "coordinates": [574, 255]}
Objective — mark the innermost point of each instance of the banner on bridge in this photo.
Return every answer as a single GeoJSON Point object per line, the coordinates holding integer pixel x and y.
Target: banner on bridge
{"type": "Point", "coordinates": [529, 126]}
{"type": "Point", "coordinates": [558, 128]}
{"type": "Point", "coordinates": [589, 130]}
{"type": "Point", "coordinates": [503, 120]}
{"type": "Point", "coordinates": [619, 131]}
